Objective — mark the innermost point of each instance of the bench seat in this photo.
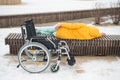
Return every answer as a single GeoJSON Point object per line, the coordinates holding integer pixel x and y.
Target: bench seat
{"type": "Point", "coordinates": [105, 46]}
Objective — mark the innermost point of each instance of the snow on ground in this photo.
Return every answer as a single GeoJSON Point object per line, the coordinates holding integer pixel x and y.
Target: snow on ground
{"type": "Point", "coordinates": [111, 30]}
{"type": "Point", "coordinates": [42, 6]}
{"type": "Point", "coordinates": [93, 70]}
{"type": "Point", "coordinates": [100, 70]}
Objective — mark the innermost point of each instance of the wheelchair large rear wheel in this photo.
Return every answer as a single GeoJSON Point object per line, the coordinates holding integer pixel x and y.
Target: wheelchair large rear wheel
{"type": "Point", "coordinates": [34, 57]}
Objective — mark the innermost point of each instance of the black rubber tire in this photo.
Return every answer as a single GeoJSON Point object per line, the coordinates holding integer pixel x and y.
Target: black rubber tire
{"type": "Point", "coordinates": [71, 61]}
{"type": "Point", "coordinates": [53, 68]}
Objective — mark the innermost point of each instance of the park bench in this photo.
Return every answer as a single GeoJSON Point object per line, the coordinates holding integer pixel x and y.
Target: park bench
{"type": "Point", "coordinates": [105, 46]}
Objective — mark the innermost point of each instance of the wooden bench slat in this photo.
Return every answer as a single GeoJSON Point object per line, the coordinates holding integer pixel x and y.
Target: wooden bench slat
{"type": "Point", "coordinates": [12, 39]}
{"type": "Point", "coordinates": [107, 45]}
{"type": "Point", "coordinates": [7, 41]}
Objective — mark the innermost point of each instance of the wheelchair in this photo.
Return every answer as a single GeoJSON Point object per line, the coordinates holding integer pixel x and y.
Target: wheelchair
{"type": "Point", "coordinates": [39, 50]}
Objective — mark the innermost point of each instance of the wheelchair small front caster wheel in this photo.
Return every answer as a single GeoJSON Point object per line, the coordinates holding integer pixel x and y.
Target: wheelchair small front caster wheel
{"type": "Point", "coordinates": [54, 68]}
{"type": "Point", "coordinates": [71, 61]}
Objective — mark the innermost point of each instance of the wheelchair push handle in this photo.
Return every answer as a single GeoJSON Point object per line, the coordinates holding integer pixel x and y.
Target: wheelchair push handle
{"type": "Point", "coordinates": [27, 21]}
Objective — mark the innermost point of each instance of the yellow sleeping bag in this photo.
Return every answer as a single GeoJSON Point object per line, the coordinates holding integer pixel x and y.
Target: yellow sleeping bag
{"type": "Point", "coordinates": [77, 31]}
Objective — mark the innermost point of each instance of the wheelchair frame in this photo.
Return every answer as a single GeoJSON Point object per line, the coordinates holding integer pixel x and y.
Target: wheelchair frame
{"type": "Point", "coordinates": [44, 46]}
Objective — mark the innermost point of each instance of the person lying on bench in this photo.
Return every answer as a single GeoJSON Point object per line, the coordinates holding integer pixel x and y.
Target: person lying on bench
{"type": "Point", "coordinates": [79, 31]}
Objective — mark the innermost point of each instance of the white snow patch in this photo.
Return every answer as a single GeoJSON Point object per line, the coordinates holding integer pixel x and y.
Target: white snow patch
{"type": "Point", "coordinates": [100, 70]}
{"type": "Point", "coordinates": [43, 6]}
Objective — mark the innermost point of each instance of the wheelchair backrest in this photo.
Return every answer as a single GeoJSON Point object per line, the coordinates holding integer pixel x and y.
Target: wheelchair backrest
{"type": "Point", "coordinates": [29, 29]}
